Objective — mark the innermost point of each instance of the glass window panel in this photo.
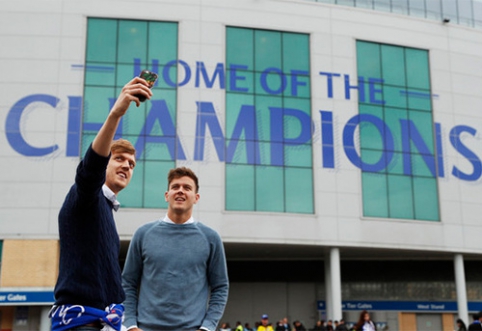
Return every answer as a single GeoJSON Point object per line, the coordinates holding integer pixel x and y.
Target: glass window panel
{"type": "Point", "coordinates": [375, 202]}
{"type": "Point", "coordinates": [240, 47]}
{"type": "Point", "coordinates": [399, 6]}
{"type": "Point", "coordinates": [426, 200]}
{"type": "Point", "coordinates": [155, 183]}
{"type": "Point", "coordinates": [99, 74]}
{"type": "Point", "coordinates": [395, 167]}
{"type": "Point", "coordinates": [240, 149]}
{"type": "Point", "coordinates": [416, 8]}
{"type": "Point", "coordinates": [370, 136]}
{"type": "Point", "coordinates": [297, 155]}
{"type": "Point", "coordinates": [477, 13]}
{"type": "Point", "coordinates": [346, 2]}
{"type": "Point", "coordinates": [134, 119]}
{"type": "Point", "coordinates": [162, 44]}
{"type": "Point", "coordinates": [434, 10]}
{"type": "Point", "coordinates": [424, 123]}
{"type": "Point", "coordinates": [368, 60]}
{"type": "Point", "coordinates": [364, 4]}
{"type": "Point", "coordinates": [299, 190]}
{"type": "Point", "coordinates": [132, 195]}
{"type": "Point", "coordinates": [400, 197]}
{"type": "Point", "coordinates": [449, 9]}
{"type": "Point", "coordinates": [382, 5]}
{"type": "Point", "coordinates": [419, 99]}
{"type": "Point", "coordinates": [234, 103]}
{"type": "Point", "coordinates": [421, 165]}
{"type": "Point", "coordinates": [124, 73]}
{"type": "Point", "coordinates": [96, 104]}
{"type": "Point", "coordinates": [243, 81]}
{"type": "Point", "coordinates": [270, 83]}
{"type": "Point", "coordinates": [270, 189]}
{"type": "Point", "coordinates": [161, 148]}
{"type": "Point", "coordinates": [418, 75]}
{"type": "Point", "coordinates": [301, 104]}
{"type": "Point", "coordinates": [393, 68]}
{"type": "Point", "coordinates": [372, 157]}
{"type": "Point", "coordinates": [298, 86]}
{"type": "Point", "coordinates": [264, 116]}
{"type": "Point", "coordinates": [296, 54]}
{"type": "Point", "coordinates": [265, 151]}
{"type": "Point", "coordinates": [101, 40]}
{"type": "Point", "coordinates": [132, 41]}
{"type": "Point", "coordinates": [393, 116]}
{"type": "Point", "coordinates": [240, 192]}
{"type": "Point", "coordinates": [394, 96]}
{"type": "Point", "coordinates": [464, 9]}
{"type": "Point", "coordinates": [267, 50]}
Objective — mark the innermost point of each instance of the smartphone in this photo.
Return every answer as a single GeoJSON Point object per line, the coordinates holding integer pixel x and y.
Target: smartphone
{"type": "Point", "coordinates": [151, 78]}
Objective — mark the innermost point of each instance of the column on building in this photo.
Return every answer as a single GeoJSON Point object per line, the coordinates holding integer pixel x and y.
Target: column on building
{"type": "Point", "coordinates": [333, 284]}
{"type": "Point", "coordinates": [460, 288]}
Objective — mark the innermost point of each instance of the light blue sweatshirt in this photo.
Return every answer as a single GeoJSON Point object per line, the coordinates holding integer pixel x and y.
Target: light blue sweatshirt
{"type": "Point", "coordinates": [175, 277]}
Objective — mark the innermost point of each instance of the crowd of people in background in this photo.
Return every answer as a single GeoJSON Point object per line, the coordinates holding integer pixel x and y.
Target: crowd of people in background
{"type": "Point", "coordinates": [364, 324]}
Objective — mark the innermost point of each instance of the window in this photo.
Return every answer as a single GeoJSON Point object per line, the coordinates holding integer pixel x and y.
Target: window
{"type": "Point", "coordinates": [397, 145]}
{"type": "Point", "coordinates": [268, 122]}
{"type": "Point", "coordinates": [117, 51]}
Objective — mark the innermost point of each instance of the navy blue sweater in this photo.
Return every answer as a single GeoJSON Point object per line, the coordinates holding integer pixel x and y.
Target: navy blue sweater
{"type": "Point", "coordinates": [89, 271]}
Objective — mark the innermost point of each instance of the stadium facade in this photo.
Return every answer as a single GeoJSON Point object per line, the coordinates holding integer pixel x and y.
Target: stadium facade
{"type": "Point", "coordinates": [337, 143]}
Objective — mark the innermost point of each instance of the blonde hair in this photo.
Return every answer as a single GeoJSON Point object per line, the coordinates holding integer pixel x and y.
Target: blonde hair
{"type": "Point", "coordinates": [122, 146]}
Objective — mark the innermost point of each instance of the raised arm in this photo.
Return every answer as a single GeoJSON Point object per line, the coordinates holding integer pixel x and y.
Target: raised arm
{"type": "Point", "coordinates": [103, 140]}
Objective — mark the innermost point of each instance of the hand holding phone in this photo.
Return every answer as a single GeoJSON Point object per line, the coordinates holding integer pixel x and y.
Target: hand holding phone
{"type": "Point", "coordinates": [151, 78]}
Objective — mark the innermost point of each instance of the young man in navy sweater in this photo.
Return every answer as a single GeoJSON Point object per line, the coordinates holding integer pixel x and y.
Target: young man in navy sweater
{"type": "Point", "coordinates": [88, 293]}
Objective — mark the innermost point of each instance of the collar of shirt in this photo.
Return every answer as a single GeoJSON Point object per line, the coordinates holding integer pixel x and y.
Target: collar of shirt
{"type": "Point", "coordinates": [168, 220]}
{"type": "Point", "coordinates": [111, 196]}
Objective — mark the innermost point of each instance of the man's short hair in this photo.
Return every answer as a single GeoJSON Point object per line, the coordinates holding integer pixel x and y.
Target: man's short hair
{"type": "Point", "coordinates": [122, 146]}
{"type": "Point", "coordinates": [182, 172]}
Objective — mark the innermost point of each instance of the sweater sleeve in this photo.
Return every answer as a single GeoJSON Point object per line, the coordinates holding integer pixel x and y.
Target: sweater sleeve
{"type": "Point", "coordinates": [90, 174]}
{"type": "Point", "coordinates": [131, 276]}
{"type": "Point", "coordinates": [217, 274]}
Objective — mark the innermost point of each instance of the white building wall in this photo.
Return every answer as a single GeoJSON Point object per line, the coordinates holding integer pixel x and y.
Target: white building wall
{"type": "Point", "coordinates": [41, 40]}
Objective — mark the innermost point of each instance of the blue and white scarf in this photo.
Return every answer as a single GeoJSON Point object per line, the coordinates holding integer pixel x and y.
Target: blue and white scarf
{"type": "Point", "coordinates": [66, 317]}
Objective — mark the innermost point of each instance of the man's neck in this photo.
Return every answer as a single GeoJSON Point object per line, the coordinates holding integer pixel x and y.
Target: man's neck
{"type": "Point", "coordinates": [178, 218]}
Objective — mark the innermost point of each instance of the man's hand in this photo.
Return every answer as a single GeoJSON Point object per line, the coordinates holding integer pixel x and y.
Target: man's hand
{"type": "Point", "coordinates": [101, 143]}
{"type": "Point", "coordinates": [128, 94]}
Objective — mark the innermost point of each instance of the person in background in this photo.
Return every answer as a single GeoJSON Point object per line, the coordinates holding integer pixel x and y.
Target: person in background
{"type": "Point", "coordinates": [365, 323]}
{"type": "Point", "coordinates": [298, 326]}
{"type": "Point", "coordinates": [319, 326]}
{"type": "Point", "coordinates": [88, 293]}
{"type": "Point", "coordinates": [247, 327]}
{"type": "Point", "coordinates": [265, 325]}
{"type": "Point", "coordinates": [239, 326]}
{"type": "Point", "coordinates": [329, 325]}
{"type": "Point", "coordinates": [225, 327]}
{"type": "Point", "coordinates": [175, 275]}
{"type": "Point", "coordinates": [341, 326]}
{"type": "Point", "coordinates": [461, 325]}
{"type": "Point", "coordinates": [477, 323]}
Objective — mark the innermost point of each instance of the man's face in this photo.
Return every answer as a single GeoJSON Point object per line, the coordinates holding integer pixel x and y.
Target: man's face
{"type": "Point", "coordinates": [182, 195]}
{"type": "Point", "coordinates": [119, 171]}
{"type": "Point", "coordinates": [264, 321]}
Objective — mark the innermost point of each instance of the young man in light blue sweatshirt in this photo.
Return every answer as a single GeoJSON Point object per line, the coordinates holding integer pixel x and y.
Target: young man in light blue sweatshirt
{"type": "Point", "coordinates": [175, 275]}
